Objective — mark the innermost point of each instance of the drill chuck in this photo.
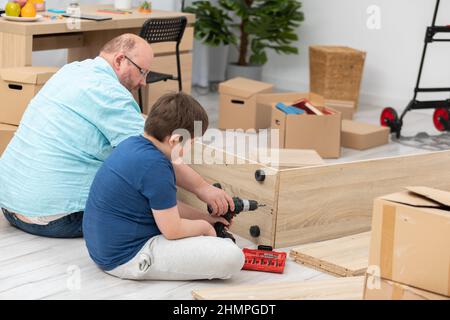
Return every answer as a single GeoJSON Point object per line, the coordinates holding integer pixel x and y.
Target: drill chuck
{"type": "Point", "coordinates": [241, 205]}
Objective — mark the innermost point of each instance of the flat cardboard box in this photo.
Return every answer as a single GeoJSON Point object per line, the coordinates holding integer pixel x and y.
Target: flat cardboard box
{"type": "Point", "coordinates": [347, 108]}
{"type": "Point", "coordinates": [321, 133]}
{"type": "Point", "coordinates": [410, 241]}
{"type": "Point", "coordinates": [6, 134]}
{"type": "Point", "coordinates": [362, 136]}
{"type": "Point", "coordinates": [17, 87]}
{"type": "Point", "coordinates": [237, 103]}
{"type": "Point", "coordinates": [376, 288]}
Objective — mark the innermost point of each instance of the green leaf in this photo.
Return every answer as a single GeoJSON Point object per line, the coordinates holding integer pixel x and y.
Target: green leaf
{"type": "Point", "coordinates": [270, 24]}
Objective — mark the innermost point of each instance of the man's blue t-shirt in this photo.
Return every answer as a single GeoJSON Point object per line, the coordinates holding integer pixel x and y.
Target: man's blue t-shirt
{"type": "Point", "coordinates": [118, 219]}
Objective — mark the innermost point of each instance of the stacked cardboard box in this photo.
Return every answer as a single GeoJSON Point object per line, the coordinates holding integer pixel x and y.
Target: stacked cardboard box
{"type": "Point", "coordinates": [17, 87]}
{"type": "Point", "coordinates": [410, 246]}
{"type": "Point", "coordinates": [237, 104]}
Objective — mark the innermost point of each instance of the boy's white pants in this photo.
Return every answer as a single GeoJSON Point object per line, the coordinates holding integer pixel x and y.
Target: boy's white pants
{"type": "Point", "coordinates": [183, 259]}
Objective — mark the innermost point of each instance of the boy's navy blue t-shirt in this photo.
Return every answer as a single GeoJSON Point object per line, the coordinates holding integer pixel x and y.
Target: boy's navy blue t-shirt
{"type": "Point", "coordinates": [118, 219]}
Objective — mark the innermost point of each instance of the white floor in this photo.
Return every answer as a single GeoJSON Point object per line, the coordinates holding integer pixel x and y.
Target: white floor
{"type": "Point", "coordinates": [41, 268]}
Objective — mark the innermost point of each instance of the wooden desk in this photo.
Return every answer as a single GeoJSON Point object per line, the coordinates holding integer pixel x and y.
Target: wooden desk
{"type": "Point", "coordinates": [19, 39]}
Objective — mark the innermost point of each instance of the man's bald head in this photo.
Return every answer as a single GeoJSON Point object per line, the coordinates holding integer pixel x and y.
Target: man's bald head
{"type": "Point", "coordinates": [120, 51]}
{"type": "Point", "coordinates": [124, 43]}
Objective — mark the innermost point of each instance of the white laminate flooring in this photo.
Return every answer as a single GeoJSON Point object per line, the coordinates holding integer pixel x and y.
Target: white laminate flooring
{"type": "Point", "coordinates": [41, 268]}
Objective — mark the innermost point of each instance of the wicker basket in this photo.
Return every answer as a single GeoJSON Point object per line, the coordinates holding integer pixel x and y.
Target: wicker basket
{"type": "Point", "coordinates": [336, 72]}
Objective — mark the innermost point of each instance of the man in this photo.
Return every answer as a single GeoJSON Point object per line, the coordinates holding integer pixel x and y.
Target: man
{"type": "Point", "coordinates": [68, 130]}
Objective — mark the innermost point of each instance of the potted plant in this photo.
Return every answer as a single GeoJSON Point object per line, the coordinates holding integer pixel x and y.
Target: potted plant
{"type": "Point", "coordinates": [145, 7]}
{"type": "Point", "coordinates": [258, 24]}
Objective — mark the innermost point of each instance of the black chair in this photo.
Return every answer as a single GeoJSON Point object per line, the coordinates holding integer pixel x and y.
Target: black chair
{"type": "Point", "coordinates": [164, 30]}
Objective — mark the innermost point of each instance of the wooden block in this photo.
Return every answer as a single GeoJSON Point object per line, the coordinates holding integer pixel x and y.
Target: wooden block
{"type": "Point", "coordinates": [345, 257]}
{"type": "Point", "coordinates": [335, 289]}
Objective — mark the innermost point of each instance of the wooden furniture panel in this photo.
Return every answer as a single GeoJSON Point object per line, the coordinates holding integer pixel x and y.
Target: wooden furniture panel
{"type": "Point", "coordinates": [323, 202]}
{"type": "Point", "coordinates": [60, 41]}
{"type": "Point", "coordinates": [332, 201]}
{"type": "Point", "coordinates": [343, 257]}
{"type": "Point", "coordinates": [333, 289]}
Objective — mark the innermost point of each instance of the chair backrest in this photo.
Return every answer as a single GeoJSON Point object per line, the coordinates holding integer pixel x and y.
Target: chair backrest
{"type": "Point", "coordinates": [163, 29]}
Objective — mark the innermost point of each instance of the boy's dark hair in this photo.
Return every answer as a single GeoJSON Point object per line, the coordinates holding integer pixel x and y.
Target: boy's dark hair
{"type": "Point", "coordinates": [175, 111]}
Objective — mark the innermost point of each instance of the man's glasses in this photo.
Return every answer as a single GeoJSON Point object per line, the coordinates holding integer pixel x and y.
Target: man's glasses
{"type": "Point", "coordinates": [141, 71]}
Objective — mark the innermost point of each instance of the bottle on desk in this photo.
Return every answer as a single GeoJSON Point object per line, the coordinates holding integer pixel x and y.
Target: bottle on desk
{"type": "Point", "coordinates": [73, 9]}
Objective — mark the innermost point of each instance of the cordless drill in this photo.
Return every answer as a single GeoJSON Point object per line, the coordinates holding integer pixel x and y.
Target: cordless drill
{"type": "Point", "coordinates": [240, 205]}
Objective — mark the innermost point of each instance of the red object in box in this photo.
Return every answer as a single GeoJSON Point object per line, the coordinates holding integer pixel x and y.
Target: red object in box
{"type": "Point", "coordinates": [264, 260]}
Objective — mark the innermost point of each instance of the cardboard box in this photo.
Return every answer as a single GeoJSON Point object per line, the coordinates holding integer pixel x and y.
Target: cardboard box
{"type": "Point", "coordinates": [265, 101]}
{"type": "Point", "coordinates": [347, 108]}
{"type": "Point", "coordinates": [376, 288]}
{"type": "Point", "coordinates": [362, 136]}
{"type": "Point", "coordinates": [320, 133]}
{"type": "Point", "coordinates": [6, 134]}
{"type": "Point", "coordinates": [17, 87]}
{"type": "Point", "coordinates": [237, 104]}
{"type": "Point", "coordinates": [410, 241]}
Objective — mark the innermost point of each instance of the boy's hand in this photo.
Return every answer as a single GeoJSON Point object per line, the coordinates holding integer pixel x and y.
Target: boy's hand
{"type": "Point", "coordinates": [210, 231]}
{"type": "Point", "coordinates": [214, 219]}
{"type": "Point", "coordinates": [218, 199]}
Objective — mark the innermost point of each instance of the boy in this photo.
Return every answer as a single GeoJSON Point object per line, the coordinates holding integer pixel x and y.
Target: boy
{"type": "Point", "coordinates": [133, 226]}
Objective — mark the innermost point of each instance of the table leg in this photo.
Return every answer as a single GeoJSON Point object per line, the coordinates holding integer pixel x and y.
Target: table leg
{"type": "Point", "coordinates": [15, 50]}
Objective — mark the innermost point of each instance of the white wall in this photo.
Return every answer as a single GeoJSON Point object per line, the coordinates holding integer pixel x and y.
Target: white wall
{"type": "Point", "coordinates": [393, 51]}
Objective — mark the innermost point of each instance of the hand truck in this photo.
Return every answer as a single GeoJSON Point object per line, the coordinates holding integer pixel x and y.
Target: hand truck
{"type": "Point", "coordinates": [441, 116]}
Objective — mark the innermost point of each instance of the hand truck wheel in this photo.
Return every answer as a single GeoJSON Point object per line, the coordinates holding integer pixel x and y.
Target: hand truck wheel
{"type": "Point", "coordinates": [389, 118]}
{"type": "Point", "coordinates": [441, 119]}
